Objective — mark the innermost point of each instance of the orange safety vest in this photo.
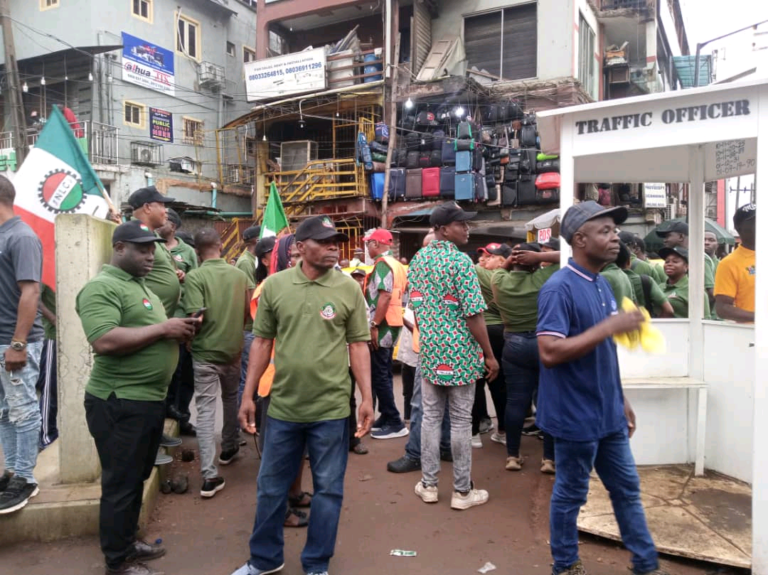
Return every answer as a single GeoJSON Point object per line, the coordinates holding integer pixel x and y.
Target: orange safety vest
{"type": "Point", "coordinates": [265, 383]}
{"type": "Point", "coordinates": [394, 317]}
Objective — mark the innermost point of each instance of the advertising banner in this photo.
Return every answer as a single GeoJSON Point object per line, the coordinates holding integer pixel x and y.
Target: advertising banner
{"type": "Point", "coordinates": [148, 65]}
{"type": "Point", "coordinates": [160, 125]}
{"type": "Point", "coordinates": [285, 75]}
{"type": "Point", "coordinates": [655, 195]}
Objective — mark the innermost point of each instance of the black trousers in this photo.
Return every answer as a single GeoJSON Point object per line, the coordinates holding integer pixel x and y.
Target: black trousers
{"type": "Point", "coordinates": [497, 387]}
{"type": "Point", "coordinates": [182, 388]}
{"type": "Point", "coordinates": [409, 376]}
{"type": "Point", "coordinates": [352, 419]}
{"type": "Point", "coordinates": [127, 435]}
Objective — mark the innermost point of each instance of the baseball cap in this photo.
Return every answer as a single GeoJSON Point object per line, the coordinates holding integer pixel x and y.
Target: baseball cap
{"type": "Point", "coordinates": [496, 250]}
{"type": "Point", "coordinates": [358, 272]}
{"type": "Point", "coordinates": [380, 235]}
{"type": "Point", "coordinates": [676, 227]}
{"type": "Point", "coordinates": [664, 253]}
{"type": "Point", "coordinates": [147, 195]}
{"type": "Point", "coordinates": [528, 247]}
{"type": "Point", "coordinates": [553, 244]}
{"type": "Point", "coordinates": [252, 232]}
{"type": "Point", "coordinates": [174, 217]}
{"type": "Point", "coordinates": [628, 238]}
{"type": "Point", "coordinates": [265, 246]}
{"type": "Point", "coordinates": [187, 238]}
{"type": "Point", "coordinates": [579, 214]}
{"type": "Point", "coordinates": [448, 213]}
{"type": "Point", "coordinates": [744, 213]}
{"type": "Point", "coordinates": [134, 232]}
{"type": "Point", "coordinates": [319, 228]}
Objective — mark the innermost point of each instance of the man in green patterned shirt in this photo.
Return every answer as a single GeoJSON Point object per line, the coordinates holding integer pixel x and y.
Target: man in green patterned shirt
{"type": "Point", "coordinates": [446, 298]}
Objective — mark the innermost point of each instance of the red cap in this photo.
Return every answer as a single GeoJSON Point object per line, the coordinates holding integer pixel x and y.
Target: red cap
{"type": "Point", "coordinates": [486, 250]}
{"type": "Point", "coordinates": [380, 235]}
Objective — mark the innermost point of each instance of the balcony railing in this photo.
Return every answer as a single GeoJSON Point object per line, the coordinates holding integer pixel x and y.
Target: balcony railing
{"type": "Point", "coordinates": [98, 141]}
{"type": "Point", "coordinates": [635, 5]}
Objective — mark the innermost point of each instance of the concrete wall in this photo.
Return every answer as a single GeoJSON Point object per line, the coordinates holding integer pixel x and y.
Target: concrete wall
{"type": "Point", "coordinates": [83, 245]}
{"type": "Point", "coordinates": [555, 29]}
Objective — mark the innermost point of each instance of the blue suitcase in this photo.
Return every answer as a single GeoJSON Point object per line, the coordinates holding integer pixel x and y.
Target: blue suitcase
{"type": "Point", "coordinates": [377, 186]}
{"type": "Point", "coordinates": [463, 161]}
{"type": "Point", "coordinates": [448, 182]}
{"type": "Point", "coordinates": [396, 184]}
{"type": "Point", "coordinates": [465, 187]}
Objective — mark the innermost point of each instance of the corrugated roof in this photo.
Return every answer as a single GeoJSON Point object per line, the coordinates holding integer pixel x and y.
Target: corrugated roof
{"type": "Point", "coordinates": [685, 66]}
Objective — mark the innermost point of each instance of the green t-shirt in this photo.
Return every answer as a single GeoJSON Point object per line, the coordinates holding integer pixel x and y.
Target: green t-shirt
{"type": "Point", "coordinates": [658, 274]}
{"type": "Point", "coordinates": [677, 295]}
{"type": "Point", "coordinates": [113, 299]}
{"type": "Point", "coordinates": [311, 322]}
{"type": "Point", "coordinates": [658, 299]}
{"type": "Point", "coordinates": [620, 283]}
{"type": "Point", "coordinates": [222, 289]}
{"type": "Point", "coordinates": [643, 268]}
{"type": "Point", "coordinates": [48, 297]}
{"type": "Point", "coordinates": [517, 297]}
{"type": "Point", "coordinates": [709, 273]}
{"type": "Point", "coordinates": [184, 256]}
{"type": "Point", "coordinates": [381, 279]}
{"type": "Point", "coordinates": [491, 315]}
{"type": "Point", "coordinates": [163, 281]}
{"type": "Point", "coordinates": [246, 263]}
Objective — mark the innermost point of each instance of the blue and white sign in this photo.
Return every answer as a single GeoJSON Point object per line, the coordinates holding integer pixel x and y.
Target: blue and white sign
{"type": "Point", "coordinates": [285, 75]}
{"type": "Point", "coordinates": [148, 65]}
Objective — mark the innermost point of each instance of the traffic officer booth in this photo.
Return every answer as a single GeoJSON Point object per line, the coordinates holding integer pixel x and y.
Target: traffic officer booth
{"type": "Point", "coordinates": [703, 401]}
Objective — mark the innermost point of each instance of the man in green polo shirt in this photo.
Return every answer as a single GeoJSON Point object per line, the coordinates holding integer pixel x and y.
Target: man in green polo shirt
{"type": "Point", "coordinates": [247, 263]}
{"type": "Point", "coordinates": [647, 292]}
{"type": "Point", "coordinates": [319, 318]}
{"type": "Point", "coordinates": [136, 350]}
{"type": "Point", "coordinates": [675, 236]}
{"type": "Point", "coordinates": [620, 284]}
{"type": "Point", "coordinates": [225, 294]}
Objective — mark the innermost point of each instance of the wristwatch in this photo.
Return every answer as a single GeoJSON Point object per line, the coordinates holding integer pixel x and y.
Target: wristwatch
{"type": "Point", "coordinates": [18, 345]}
{"type": "Point", "coordinates": [374, 324]}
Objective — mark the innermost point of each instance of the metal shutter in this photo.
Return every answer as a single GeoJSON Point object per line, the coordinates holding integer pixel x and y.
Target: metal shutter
{"type": "Point", "coordinates": [482, 39]}
{"type": "Point", "coordinates": [519, 43]}
{"type": "Point", "coordinates": [422, 34]}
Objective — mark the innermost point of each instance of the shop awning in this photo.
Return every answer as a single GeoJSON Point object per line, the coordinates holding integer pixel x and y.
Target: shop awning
{"type": "Point", "coordinates": [544, 220]}
{"type": "Point", "coordinates": [685, 66]}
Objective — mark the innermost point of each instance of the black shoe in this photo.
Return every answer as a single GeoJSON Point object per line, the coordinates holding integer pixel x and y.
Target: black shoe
{"type": "Point", "coordinates": [446, 456]}
{"type": "Point", "coordinates": [531, 430]}
{"type": "Point", "coordinates": [212, 486]}
{"type": "Point", "coordinates": [17, 494]}
{"type": "Point", "coordinates": [228, 456]}
{"type": "Point", "coordinates": [186, 428]}
{"type": "Point", "coordinates": [5, 479]}
{"type": "Point", "coordinates": [168, 441]}
{"type": "Point", "coordinates": [143, 551]}
{"type": "Point", "coordinates": [175, 413]}
{"type": "Point", "coordinates": [132, 569]}
{"type": "Point", "coordinates": [404, 465]}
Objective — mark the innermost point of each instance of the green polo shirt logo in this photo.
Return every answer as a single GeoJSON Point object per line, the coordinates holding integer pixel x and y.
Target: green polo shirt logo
{"type": "Point", "coordinates": [328, 311]}
{"type": "Point", "coordinates": [147, 303]}
{"type": "Point", "coordinates": [451, 301]}
{"type": "Point", "coordinates": [444, 372]}
{"type": "Point", "coordinates": [417, 298]}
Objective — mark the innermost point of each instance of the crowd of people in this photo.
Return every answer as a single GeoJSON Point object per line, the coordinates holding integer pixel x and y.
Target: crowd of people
{"type": "Point", "coordinates": [285, 337]}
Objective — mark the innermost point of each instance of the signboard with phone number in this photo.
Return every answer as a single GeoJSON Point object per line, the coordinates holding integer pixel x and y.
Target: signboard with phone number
{"type": "Point", "coordinates": [148, 65]}
{"type": "Point", "coordinates": [285, 75]}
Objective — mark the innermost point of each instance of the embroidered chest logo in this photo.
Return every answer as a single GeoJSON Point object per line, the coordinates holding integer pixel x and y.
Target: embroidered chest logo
{"type": "Point", "coordinates": [751, 270]}
{"type": "Point", "coordinates": [147, 304]}
{"type": "Point", "coordinates": [328, 311]}
{"type": "Point", "coordinates": [416, 299]}
{"type": "Point", "coordinates": [451, 302]}
{"type": "Point", "coordinates": [178, 258]}
{"type": "Point", "coordinates": [444, 372]}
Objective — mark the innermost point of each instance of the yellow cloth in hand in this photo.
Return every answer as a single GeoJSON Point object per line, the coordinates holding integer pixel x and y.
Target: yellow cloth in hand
{"type": "Point", "coordinates": [649, 337]}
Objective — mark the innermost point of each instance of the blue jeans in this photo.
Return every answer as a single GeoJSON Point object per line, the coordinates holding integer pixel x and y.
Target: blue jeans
{"type": "Point", "coordinates": [520, 362]}
{"type": "Point", "coordinates": [20, 413]}
{"type": "Point", "coordinates": [248, 338]}
{"type": "Point", "coordinates": [383, 387]}
{"type": "Point", "coordinates": [284, 443]}
{"type": "Point", "coordinates": [413, 447]}
{"type": "Point", "coordinates": [612, 459]}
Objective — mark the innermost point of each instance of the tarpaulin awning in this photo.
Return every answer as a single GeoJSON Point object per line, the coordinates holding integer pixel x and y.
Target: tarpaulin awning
{"type": "Point", "coordinates": [544, 221]}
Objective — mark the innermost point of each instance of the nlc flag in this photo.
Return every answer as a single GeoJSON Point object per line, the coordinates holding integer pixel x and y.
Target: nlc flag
{"type": "Point", "coordinates": [274, 216]}
{"type": "Point", "coordinates": [56, 178]}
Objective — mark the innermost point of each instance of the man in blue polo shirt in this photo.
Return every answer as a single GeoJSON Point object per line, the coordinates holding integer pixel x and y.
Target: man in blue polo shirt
{"type": "Point", "coordinates": [581, 403]}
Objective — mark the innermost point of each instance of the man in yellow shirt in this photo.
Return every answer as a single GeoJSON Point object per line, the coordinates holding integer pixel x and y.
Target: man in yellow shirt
{"type": "Point", "coordinates": [735, 279]}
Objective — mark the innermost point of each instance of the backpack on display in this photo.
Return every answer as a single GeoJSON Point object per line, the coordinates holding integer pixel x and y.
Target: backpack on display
{"type": "Point", "coordinates": [430, 187]}
{"type": "Point", "coordinates": [379, 148]}
{"type": "Point", "coordinates": [413, 184]}
{"type": "Point", "coordinates": [436, 158]}
{"type": "Point", "coordinates": [527, 136]}
{"type": "Point", "coordinates": [425, 118]}
{"type": "Point", "coordinates": [396, 183]}
{"type": "Point", "coordinates": [548, 181]}
{"type": "Point", "coordinates": [465, 187]}
{"type": "Point", "coordinates": [425, 159]}
{"type": "Point", "coordinates": [464, 130]}
{"type": "Point", "coordinates": [412, 160]}
{"type": "Point", "coordinates": [449, 152]}
{"type": "Point", "coordinates": [381, 133]}
{"type": "Point", "coordinates": [366, 156]}
{"type": "Point", "coordinates": [438, 137]}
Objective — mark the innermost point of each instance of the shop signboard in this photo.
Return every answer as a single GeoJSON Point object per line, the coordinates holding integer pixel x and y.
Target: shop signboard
{"type": "Point", "coordinates": [8, 160]}
{"type": "Point", "coordinates": [148, 65]}
{"type": "Point", "coordinates": [544, 235]}
{"type": "Point", "coordinates": [160, 125]}
{"type": "Point", "coordinates": [286, 75]}
{"type": "Point", "coordinates": [655, 195]}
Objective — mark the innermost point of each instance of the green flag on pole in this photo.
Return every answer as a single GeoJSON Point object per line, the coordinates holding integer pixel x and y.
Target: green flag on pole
{"type": "Point", "coordinates": [274, 216]}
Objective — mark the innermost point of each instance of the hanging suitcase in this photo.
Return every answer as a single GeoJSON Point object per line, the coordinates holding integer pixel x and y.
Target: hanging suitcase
{"type": "Point", "coordinates": [477, 158]}
{"type": "Point", "coordinates": [396, 184]}
{"type": "Point", "coordinates": [526, 193]}
{"type": "Point", "coordinates": [447, 182]}
{"type": "Point", "coordinates": [436, 158]}
{"type": "Point", "coordinates": [493, 191]}
{"type": "Point", "coordinates": [491, 114]}
{"type": "Point", "coordinates": [379, 148]}
{"type": "Point", "coordinates": [402, 157]}
{"type": "Point", "coordinates": [430, 187]}
{"type": "Point", "coordinates": [481, 189]}
{"type": "Point", "coordinates": [377, 186]}
{"type": "Point", "coordinates": [464, 161]}
{"type": "Point", "coordinates": [464, 145]}
{"type": "Point", "coordinates": [379, 157]}
{"type": "Point", "coordinates": [438, 137]}
{"type": "Point", "coordinates": [425, 159]}
{"type": "Point", "coordinates": [412, 140]}
{"type": "Point", "coordinates": [381, 133]}
{"type": "Point", "coordinates": [548, 196]}
{"type": "Point", "coordinates": [465, 187]}
{"type": "Point", "coordinates": [427, 142]}
{"type": "Point", "coordinates": [412, 160]}
{"type": "Point", "coordinates": [365, 156]}
{"type": "Point", "coordinates": [527, 136]}
{"type": "Point", "coordinates": [449, 152]}
{"type": "Point", "coordinates": [514, 111]}
{"type": "Point", "coordinates": [413, 184]}
{"type": "Point", "coordinates": [548, 166]}
{"type": "Point", "coordinates": [464, 130]}
{"type": "Point", "coordinates": [509, 194]}
{"type": "Point", "coordinates": [548, 181]}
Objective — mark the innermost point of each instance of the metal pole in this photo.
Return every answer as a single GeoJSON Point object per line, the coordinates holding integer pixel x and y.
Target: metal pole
{"type": "Point", "coordinates": [392, 133]}
{"type": "Point", "coordinates": [14, 86]}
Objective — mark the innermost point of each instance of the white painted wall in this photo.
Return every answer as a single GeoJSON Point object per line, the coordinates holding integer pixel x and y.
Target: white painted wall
{"type": "Point", "coordinates": [673, 363]}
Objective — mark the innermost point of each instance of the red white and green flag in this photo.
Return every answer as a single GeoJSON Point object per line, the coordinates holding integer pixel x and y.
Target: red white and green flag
{"type": "Point", "coordinates": [56, 178]}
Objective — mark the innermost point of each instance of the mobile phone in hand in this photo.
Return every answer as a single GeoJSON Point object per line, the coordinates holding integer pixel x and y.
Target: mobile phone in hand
{"type": "Point", "coordinates": [199, 313]}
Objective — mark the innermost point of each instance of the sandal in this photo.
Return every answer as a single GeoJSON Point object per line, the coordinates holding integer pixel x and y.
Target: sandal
{"type": "Point", "coordinates": [303, 500]}
{"type": "Point", "coordinates": [300, 521]}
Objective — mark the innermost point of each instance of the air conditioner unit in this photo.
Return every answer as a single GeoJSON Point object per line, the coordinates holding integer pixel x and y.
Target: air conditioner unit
{"type": "Point", "coordinates": [211, 75]}
{"type": "Point", "coordinates": [618, 75]}
{"type": "Point", "coordinates": [184, 165]}
{"type": "Point", "coordinates": [671, 212]}
{"type": "Point", "coordinates": [146, 154]}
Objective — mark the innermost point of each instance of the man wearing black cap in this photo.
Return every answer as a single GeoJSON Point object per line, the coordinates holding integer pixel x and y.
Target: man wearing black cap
{"type": "Point", "coordinates": [446, 298]}
{"type": "Point", "coordinates": [149, 207]}
{"type": "Point", "coordinates": [183, 254]}
{"type": "Point", "coordinates": [735, 281]}
{"type": "Point", "coordinates": [247, 263]}
{"type": "Point", "coordinates": [677, 235]}
{"type": "Point", "coordinates": [581, 403]}
{"type": "Point", "coordinates": [319, 318]}
{"type": "Point", "coordinates": [136, 351]}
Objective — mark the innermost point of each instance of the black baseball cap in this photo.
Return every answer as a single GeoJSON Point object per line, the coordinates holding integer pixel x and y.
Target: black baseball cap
{"type": "Point", "coordinates": [174, 218]}
{"type": "Point", "coordinates": [147, 195]}
{"type": "Point", "coordinates": [579, 214]}
{"type": "Point", "coordinates": [265, 246]}
{"type": "Point", "coordinates": [676, 227]}
{"type": "Point", "coordinates": [358, 272]}
{"type": "Point", "coordinates": [187, 238]}
{"type": "Point", "coordinates": [528, 247]}
{"type": "Point", "coordinates": [628, 238]}
{"type": "Point", "coordinates": [664, 253]}
{"type": "Point", "coordinates": [553, 244]}
{"type": "Point", "coordinates": [499, 250]}
{"type": "Point", "coordinates": [134, 232]}
{"type": "Point", "coordinates": [251, 233]}
{"type": "Point", "coordinates": [744, 213]}
{"type": "Point", "coordinates": [448, 213]}
{"type": "Point", "coordinates": [319, 228]}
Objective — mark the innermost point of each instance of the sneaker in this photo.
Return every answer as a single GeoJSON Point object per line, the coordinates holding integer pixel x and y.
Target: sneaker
{"type": "Point", "coordinates": [318, 573]}
{"type": "Point", "coordinates": [446, 456]}
{"type": "Point", "coordinates": [132, 568]}
{"type": "Point", "coordinates": [17, 494]}
{"type": "Point", "coordinates": [404, 465]}
{"type": "Point", "coordinates": [514, 463]}
{"type": "Point", "coordinates": [486, 425]}
{"type": "Point", "coordinates": [499, 437]}
{"type": "Point", "coordinates": [5, 479]}
{"type": "Point", "coordinates": [477, 442]}
{"type": "Point", "coordinates": [212, 486]}
{"type": "Point", "coordinates": [390, 432]}
{"type": "Point", "coordinates": [472, 498]}
{"type": "Point", "coordinates": [162, 458]}
{"type": "Point", "coordinates": [143, 551]}
{"type": "Point", "coordinates": [532, 429]}
{"type": "Point", "coordinates": [249, 569]}
{"type": "Point", "coordinates": [427, 494]}
{"type": "Point", "coordinates": [378, 424]}
{"type": "Point", "coordinates": [168, 441]}
{"type": "Point", "coordinates": [548, 466]}
{"type": "Point", "coordinates": [575, 569]}
{"type": "Point", "coordinates": [228, 456]}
